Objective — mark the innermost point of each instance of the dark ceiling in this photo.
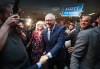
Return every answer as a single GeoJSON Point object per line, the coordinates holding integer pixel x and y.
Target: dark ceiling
{"type": "Point", "coordinates": [39, 8]}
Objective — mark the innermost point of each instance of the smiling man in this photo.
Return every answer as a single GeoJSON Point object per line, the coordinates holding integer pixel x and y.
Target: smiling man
{"type": "Point", "coordinates": [53, 42]}
{"type": "Point", "coordinates": [85, 22]}
{"type": "Point", "coordinates": [86, 54]}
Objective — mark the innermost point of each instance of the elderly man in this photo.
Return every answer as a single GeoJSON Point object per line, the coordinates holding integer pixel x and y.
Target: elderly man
{"type": "Point", "coordinates": [53, 42]}
{"type": "Point", "coordinates": [87, 49]}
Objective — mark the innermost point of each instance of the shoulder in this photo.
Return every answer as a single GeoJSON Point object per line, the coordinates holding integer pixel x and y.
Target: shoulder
{"type": "Point", "coordinates": [76, 30]}
{"type": "Point", "coordinates": [85, 32]}
{"type": "Point", "coordinates": [44, 31]}
{"type": "Point", "coordinates": [60, 27]}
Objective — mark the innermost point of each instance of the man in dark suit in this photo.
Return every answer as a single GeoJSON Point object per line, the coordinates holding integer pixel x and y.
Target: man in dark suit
{"type": "Point", "coordinates": [86, 54]}
{"type": "Point", "coordinates": [53, 42]}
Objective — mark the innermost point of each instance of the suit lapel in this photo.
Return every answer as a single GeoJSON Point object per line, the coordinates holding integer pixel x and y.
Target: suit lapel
{"type": "Point", "coordinates": [46, 34]}
{"type": "Point", "coordinates": [53, 33]}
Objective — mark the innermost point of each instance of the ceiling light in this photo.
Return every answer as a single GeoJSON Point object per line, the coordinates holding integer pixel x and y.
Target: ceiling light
{"type": "Point", "coordinates": [90, 14]}
{"type": "Point", "coordinates": [29, 20]}
{"type": "Point", "coordinates": [28, 23]}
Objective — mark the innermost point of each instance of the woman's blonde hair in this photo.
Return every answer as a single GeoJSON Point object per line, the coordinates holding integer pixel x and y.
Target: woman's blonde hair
{"type": "Point", "coordinates": [39, 22]}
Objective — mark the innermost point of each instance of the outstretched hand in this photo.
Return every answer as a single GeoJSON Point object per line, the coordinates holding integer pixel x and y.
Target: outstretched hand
{"type": "Point", "coordinates": [43, 59]}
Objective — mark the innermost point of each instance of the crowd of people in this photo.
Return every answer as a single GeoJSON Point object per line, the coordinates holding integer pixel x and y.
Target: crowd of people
{"type": "Point", "coordinates": [50, 43]}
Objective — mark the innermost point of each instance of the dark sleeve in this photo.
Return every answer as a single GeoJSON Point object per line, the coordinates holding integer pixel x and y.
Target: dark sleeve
{"type": "Point", "coordinates": [73, 37]}
{"type": "Point", "coordinates": [67, 37]}
{"type": "Point", "coordinates": [43, 42]}
{"type": "Point", "coordinates": [79, 49]}
{"type": "Point", "coordinates": [33, 67]}
{"type": "Point", "coordinates": [59, 43]}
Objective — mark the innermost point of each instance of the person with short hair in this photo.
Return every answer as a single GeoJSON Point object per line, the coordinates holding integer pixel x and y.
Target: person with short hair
{"type": "Point", "coordinates": [86, 22]}
{"type": "Point", "coordinates": [53, 41]}
{"type": "Point", "coordinates": [13, 54]}
{"type": "Point", "coordinates": [87, 49]}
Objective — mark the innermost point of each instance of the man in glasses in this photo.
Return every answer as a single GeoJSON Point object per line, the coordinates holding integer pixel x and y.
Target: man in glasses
{"type": "Point", "coordinates": [53, 42]}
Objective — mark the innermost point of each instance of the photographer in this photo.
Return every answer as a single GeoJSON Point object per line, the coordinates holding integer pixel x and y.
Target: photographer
{"type": "Point", "coordinates": [13, 54]}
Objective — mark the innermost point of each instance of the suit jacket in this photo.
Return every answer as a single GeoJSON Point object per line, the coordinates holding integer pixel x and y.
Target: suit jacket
{"type": "Point", "coordinates": [33, 67]}
{"type": "Point", "coordinates": [87, 50]}
{"type": "Point", "coordinates": [56, 43]}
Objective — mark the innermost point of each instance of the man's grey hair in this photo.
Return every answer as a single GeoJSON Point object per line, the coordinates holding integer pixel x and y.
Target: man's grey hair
{"type": "Point", "coordinates": [50, 15]}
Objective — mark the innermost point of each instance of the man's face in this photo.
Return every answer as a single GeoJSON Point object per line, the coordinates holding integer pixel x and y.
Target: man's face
{"type": "Point", "coordinates": [49, 22]}
{"type": "Point", "coordinates": [85, 22]}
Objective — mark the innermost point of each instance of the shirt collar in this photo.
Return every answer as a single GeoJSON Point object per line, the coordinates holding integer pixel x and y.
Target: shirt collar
{"type": "Point", "coordinates": [52, 28]}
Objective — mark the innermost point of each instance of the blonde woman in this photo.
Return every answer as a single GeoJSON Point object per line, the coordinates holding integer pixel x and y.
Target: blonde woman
{"type": "Point", "coordinates": [36, 42]}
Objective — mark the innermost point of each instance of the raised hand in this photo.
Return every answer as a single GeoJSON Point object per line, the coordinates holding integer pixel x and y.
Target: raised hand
{"type": "Point", "coordinates": [12, 20]}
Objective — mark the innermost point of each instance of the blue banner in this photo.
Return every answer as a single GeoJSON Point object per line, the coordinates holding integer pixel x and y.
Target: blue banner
{"type": "Point", "coordinates": [71, 11]}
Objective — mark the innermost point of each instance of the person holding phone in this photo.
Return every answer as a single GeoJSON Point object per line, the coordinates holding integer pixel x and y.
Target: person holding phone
{"type": "Point", "coordinates": [13, 54]}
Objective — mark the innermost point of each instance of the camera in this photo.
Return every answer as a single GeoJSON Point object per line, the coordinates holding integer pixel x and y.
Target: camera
{"type": "Point", "coordinates": [22, 19]}
{"type": "Point", "coordinates": [19, 19]}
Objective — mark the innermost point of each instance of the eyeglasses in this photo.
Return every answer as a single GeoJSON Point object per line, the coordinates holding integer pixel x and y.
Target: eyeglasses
{"type": "Point", "coordinates": [48, 20]}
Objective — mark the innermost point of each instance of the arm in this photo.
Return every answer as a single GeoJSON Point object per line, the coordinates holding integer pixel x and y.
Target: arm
{"type": "Point", "coordinates": [33, 67]}
{"type": "Point", "coordinates": [79, 49]}
{"type": "Point", "coordinates": [22, 34]}
{"type": "Point", "coordinates": [4, 30]}
{"type": "Point", "coordinates": [59, 43]}
{"type": "Point", "coordinates": [38, 65]}
{"type": "Point", "coordinates": [73, 36]}
{"type": "Point", "coordinates": [43, 42]}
